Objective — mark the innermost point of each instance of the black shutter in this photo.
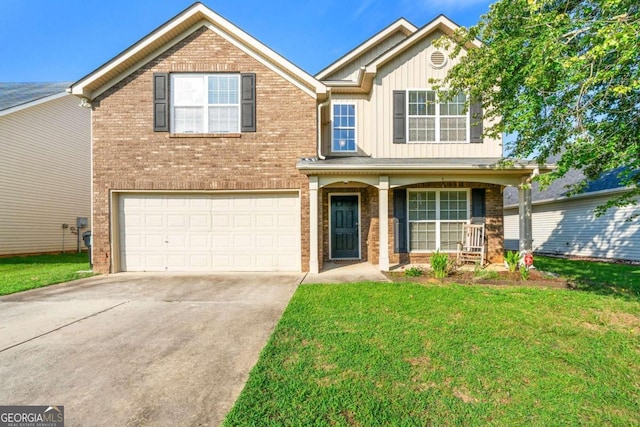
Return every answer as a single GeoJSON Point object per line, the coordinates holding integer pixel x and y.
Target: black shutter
{"type": "Point", "coordinates": [161, 102]}
{"type": "Point", "coordinates": [248, 103]}
{"type": "Point", "coordinates": [399, 117]}
{"type": "Point", "coordinates": [478, 206]}
{"type": "Point", "coordinates": [400, 221]}
{"type": "Point", "coordinates": [476, 121]}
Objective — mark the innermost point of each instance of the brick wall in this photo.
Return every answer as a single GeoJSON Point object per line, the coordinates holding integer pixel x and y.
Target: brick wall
{"type": "Point", "coordinates": [128, 155]}
{"type": "Point", "coordinates": [493, 223]}
{"type": "Point", "coordinates": [370, 236]}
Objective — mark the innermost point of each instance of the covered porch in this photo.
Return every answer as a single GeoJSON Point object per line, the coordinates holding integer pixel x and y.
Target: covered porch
{"type": "Point", "coordinates": [393, 212]}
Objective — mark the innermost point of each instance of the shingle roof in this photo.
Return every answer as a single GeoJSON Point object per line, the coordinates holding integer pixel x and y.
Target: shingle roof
{"type": "Point", "coordinates": [559, 187]}
{"type": "Point", "coordinates": [15, 94]}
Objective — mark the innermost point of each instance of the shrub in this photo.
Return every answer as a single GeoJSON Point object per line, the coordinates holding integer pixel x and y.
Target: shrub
{"type": "Point", "coordinates": [414, 272]}
{"type": "Point", "coordinates": [440, 264]}
{"type": "Point", "coordinates": [512, 258]}
{"type": "Point", "coordinates": [524, 272]}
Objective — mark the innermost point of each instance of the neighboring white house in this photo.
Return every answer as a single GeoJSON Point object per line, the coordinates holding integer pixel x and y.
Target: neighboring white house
{"type": "Point", "coordinates": [568, 226]}
{"type": "Point", "coordinates": [45, 167]}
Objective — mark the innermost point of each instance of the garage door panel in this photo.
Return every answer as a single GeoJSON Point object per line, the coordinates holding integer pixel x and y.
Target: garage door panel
{"type": "Point", "coordinates": [221, 220]}
{"type": "Point", "coordinates": [199, 241]}
{"type": "Point", "coordinates": [200, 232]}
{"type": "Point", "coordinates": [242, 220]}
{"type": "Point", "coordinates": [175, 220]}
{"type": "Point", "coordinates": [157, 221]}
{"type": "Point", "coordinates": [176, 241]}
{"type": "Point", "coordinates": [265, 241]}
{"type": "Point", "coordinates": [265, 221]}
{"type": "Point", "coordinates": [242, 241]}
{"type": "Point", "coordinates": [154, 262]}
{"type": "Point", "coordinates": [199, 221]}
{"type": "Point", "coordinates": [152, 241]}
{"type": "Point", "coordinates": [176, 262]}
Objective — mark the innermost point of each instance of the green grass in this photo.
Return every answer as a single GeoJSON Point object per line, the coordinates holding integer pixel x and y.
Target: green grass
{"type": "Point", "coordinates": [599, 277]}
{"type": "Point", "coordinates": [370, 354]}
{"type": "Point", "coordinates": [21, 273]}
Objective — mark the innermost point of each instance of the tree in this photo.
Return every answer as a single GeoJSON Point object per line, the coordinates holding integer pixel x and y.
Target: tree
{"type": "Point", "coordinates": [563, 77]}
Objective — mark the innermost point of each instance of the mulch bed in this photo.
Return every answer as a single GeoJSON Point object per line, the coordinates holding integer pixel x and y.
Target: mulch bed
{"type": "Point", "coordinates": [505, 278]}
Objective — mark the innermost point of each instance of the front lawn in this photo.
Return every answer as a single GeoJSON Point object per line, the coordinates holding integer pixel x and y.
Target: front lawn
{"type": "Point", "coordinates": [21, 273]}
{"type": "Point", "coordinates": [600, 277]}
{"type": "Point", "coordinates": [400, 354]}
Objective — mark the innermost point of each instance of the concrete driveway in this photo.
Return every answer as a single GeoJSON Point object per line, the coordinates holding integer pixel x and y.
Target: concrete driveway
{"type": "Point", "coordinates": [139, 349]}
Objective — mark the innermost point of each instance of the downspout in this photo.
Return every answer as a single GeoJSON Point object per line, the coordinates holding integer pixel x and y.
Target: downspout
{"type": "Point", "coordinates": [320, 106]}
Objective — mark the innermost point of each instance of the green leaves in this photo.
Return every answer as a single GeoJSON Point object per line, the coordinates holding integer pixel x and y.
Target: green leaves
{"type": "Point", "coordinates": [563, 76]}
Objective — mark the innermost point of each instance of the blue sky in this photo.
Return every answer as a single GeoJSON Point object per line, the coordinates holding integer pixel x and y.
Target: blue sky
{"type": "Point", "coordinates": [63, 40]}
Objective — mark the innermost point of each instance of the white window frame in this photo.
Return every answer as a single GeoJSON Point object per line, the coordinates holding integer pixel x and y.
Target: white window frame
{"type": "Point", "coordinates": [437, 118]}
{"type": "Point", "coordinates": [437, 221]}
{"type": "Point", "coordinates": [355, 126]}
{"type": "Point", "coordinates": [205, 101]}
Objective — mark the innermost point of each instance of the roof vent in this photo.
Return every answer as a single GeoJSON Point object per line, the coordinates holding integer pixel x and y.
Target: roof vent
{"type": "Point", "coordinates": [438, 59]}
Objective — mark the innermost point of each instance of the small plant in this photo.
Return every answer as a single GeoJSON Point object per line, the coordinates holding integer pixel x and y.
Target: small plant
{"type": "Point", "coordinates": [414, 272]}
{"type": "Point", "coordinates": [440, 264]}
{"type": "Point", "coordinates": [512, 258]}
{"type": "Point", "coordinates": [524, 272]}
{"type": "Point", "coordinates": [486, 275]}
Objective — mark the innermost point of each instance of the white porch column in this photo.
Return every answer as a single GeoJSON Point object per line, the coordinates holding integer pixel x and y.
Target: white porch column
{"type": "Point", "coordinates": [314, 267]}
{"type": "Point", "coordinates": [524, 205]}
{"type": "Point", "coordinates": [383, 223]}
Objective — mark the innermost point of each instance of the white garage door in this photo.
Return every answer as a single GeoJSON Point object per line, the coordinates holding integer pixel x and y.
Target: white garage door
{"type": "Point", "coordinates": [230, 232]}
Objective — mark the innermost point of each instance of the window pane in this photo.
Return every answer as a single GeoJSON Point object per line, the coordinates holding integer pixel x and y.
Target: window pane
{"type": "Point", "coordinates": [422, 129]}
{"type": "Point", "coordinates": [453, 129]}
{"type": "Point", "coordinates": [188, 90]}
{"type": "Point", "coordinates": [453, 205]}
{"type": "Point", "coordinates": [223, 120]}
{"type": "Point", "coordinates": [223, 89]}
{"type": "Point", "coordinates": [450, 235]}
{"type": "Point", "coordinates": [344, 127]}
{"type": "Point", "coordinates": [188, 120]}
{"type": "Point", "coordinates": [422, 205]}
{"type": "Point", "coordinates": [422, 236]}
{"type": "Point", "coordinates": [422, 103]}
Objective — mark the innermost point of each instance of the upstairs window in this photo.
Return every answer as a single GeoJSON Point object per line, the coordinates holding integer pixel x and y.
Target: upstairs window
{"type": "Point", "coordinates": [205, 103]}
{"type": "Point", "coordinates": [430, 120]}
{"type": "Point", "coordinates": [344, 128]}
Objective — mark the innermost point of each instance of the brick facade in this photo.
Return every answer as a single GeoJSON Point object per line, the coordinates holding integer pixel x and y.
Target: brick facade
{"type": "Point", "coordinates": [370, 231]}
{"type": "Point", "coordinates": [129, 155]}
{"type": "Point", "coordinates": [493, 223]}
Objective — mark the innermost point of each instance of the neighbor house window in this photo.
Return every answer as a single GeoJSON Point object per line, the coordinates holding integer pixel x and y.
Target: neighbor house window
{"type": "Point", "coordinates": [433, 121]}
{"type": "Point", "coordinates": [436, 218]}
{"type": "Point", "coordinates": [205, 103]}
{"type": "Point", "coordinates": [344, 128]}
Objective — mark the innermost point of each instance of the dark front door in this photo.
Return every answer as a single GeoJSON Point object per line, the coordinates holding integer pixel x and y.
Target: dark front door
{"type": "Point", "coordinates": [344, 227]}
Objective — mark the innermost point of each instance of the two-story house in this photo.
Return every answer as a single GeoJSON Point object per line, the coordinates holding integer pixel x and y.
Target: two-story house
{"type": "Point", "coordinates": [211, 152]}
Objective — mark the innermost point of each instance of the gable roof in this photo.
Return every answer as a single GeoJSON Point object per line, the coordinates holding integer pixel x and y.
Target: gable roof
{"type": "Point", "coordinates": [400, 25]}
{"type": "Point", "coordinates": [366, 75]}
{"type": "Point", "coordinates": [177, 29]}
{"type": "Point", "coordinates": [13, 95]}
{"type": "Point", "coordinates": [440, 23]}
